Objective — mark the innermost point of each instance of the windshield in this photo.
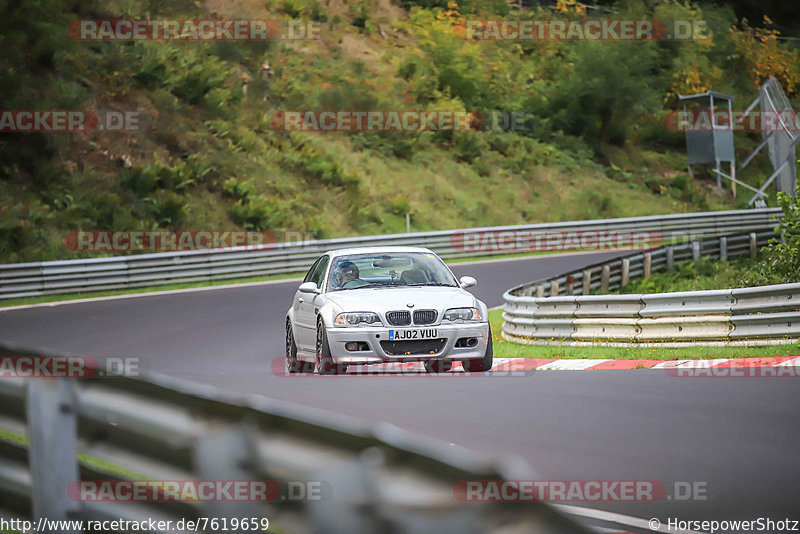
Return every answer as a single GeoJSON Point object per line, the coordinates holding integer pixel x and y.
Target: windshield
{"type": "Point", "coordinates": [389, 270]}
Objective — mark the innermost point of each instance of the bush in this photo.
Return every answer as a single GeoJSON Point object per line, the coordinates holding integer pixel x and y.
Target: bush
{"type": "Point", "coordinates": [310, 9]}
{"type": "Point", "coordinates": [610, 83]}
{"type": "Point", "coordinates": [166, 207]}
{"type": "Point", "coordinates": [360, 14]}
{"type": "Point", "coordinates": [146, 179]}
{"type": "Point", "coordinates": [189, 73]}
{"type": "Point", "coordinates": [256, 214]}
{"type": "Point", "coordinates": [781, 258]}
{"type": "Point", "coordinates": [237, 190]}
{"type": "Point", "coordinates": [681, 181]}
{"type": "Point", "coordinates": [469, 145]}
{"type": "Point", "coordinates": [321, 166]}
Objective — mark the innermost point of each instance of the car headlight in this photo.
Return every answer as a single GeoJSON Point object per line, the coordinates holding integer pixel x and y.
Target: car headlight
{"type": "Point", "coordinates": [462, 314]}
{"type": "Point", "coordinates": [356, 318]}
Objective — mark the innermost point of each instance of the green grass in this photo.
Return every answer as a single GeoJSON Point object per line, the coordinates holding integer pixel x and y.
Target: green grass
{"type": "Point", "coordinates": [85, 460]}
{"type": "Point", "coordinates": [9, 436]}
{"type": "Point", "coordinates": [706, 274]}
{"type": "Point", "coordinates": [507, 349]}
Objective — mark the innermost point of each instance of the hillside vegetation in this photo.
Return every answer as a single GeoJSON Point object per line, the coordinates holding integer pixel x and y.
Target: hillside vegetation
{"type": "Point", "coordinates": [208, 157]}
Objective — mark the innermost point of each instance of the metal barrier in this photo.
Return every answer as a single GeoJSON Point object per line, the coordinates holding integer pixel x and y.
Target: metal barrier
{"type": "Point", "coordinates": [782, 141]}
{"type": "Point", "coordinates": [761, 314]}
{"type": "Point", "coordinates": [369, 479]}
{"type": "Point", "coordinates": [142, 270]}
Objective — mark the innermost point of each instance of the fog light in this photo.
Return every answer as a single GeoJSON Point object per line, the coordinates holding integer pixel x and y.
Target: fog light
{"type": "Point", "coordinates": [466, 342]}
{"type": "Point", "coordinates": [351, 346]}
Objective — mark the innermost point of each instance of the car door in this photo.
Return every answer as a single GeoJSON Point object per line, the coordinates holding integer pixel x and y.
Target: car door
{"type": "Point", "coordinates": [306, 306]}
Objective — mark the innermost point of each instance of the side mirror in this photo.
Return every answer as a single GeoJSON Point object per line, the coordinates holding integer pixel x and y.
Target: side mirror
{"type": "Point", "coordinates": [467, 281]}
{"type": "Point", "coordinates": [308, 287]}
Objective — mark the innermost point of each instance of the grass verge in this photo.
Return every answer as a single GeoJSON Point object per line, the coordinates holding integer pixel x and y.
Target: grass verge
{"type": "Point", "coordinates": [85, 460]}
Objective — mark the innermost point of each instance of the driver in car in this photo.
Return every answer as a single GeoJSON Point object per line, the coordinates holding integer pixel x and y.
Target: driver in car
{"type": "Point", "coordinates": [345, 272]}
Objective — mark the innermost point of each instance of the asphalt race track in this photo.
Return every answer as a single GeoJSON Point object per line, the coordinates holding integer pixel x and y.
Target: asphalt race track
{"type": "Point", "coordinates": [738, 436]}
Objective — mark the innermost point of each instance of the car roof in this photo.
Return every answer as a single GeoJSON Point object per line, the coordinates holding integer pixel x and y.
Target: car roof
{"type": "Point", "coordinates": [375, 250]}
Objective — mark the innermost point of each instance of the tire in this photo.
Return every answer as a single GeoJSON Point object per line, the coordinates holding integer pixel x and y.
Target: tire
{"type": "Point", "coordinates": [293, 363]}
{"type": "Point", "coordinates": [438, 366]}
{"type": "Point", "coordinates": [482, 364]}
{"type": "Point", "coordinates": [324, 362]}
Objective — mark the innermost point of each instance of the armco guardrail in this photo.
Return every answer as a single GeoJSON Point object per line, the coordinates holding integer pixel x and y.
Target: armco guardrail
{"type": "Point", "coordinates": [140, 270]}
{"type": "Point", "coordinates": [692, 316]}
{"type": "Point", "coordinates": [366, 479]}
{"type": "Point", "coordinates": [768, 314]}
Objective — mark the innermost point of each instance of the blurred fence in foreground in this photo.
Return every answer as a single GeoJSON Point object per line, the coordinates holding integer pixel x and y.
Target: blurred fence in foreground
{"type": "Point", "coordinates": [374, 478]}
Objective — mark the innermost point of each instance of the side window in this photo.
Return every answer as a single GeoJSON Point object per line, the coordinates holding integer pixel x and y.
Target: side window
{"type": "Point", "coordinates": [311, 270]}
{"type": "Point", "coordinates": [317, 272]}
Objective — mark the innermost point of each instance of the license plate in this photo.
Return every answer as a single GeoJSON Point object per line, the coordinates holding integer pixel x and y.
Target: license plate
{"type": "Point", "coordinates": [422, 333]}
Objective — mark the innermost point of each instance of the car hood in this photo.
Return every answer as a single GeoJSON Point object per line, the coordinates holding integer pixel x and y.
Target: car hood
{"type": "Point", "coordinates": [382, 300]}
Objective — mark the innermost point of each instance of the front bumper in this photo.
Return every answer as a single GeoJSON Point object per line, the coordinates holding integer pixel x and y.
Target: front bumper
{"type": "Point", "coordinates": [376, 353]}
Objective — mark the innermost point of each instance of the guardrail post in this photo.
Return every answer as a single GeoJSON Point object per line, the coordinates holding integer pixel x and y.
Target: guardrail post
{"type": "Point", "coordinates": [647, 267]}
{"type": "Point", "coordinates": [554, 288]}
{"type": "Point", "coordinates": [670, 259]}
{"type": "Point", "coordinates": [723, 248]}
{"type": "Point", "coordinates": [605, 276]}
{"type": "Point", "coordinates": [540, 291]}
{"type": "Point", "coordinates": [527, 292]}
{"type": "Point", "coordinates": [587, 281]}
{"type": "Point", "coordinates": [226, 454]}
{"type": "Point", "coordinates": [357, 505]}
{"type": "Point", "coordinates": [753, 245]}
{"type": "Point", "coordinates": [53, 454]}
{"type": "Point", "coordinates": [695, 251]}
{"type": "Point", "coordinates": [569, 287]}
{"type": "Point", "coordinates": [626, 271]}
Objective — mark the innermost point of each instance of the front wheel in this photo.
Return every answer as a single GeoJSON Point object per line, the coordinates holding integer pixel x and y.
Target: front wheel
{"type": "Point", "coordinates": [482, 364]}
{"type": "Point", "coordinates": [324, 363]}
{"type": "Point", "coordinates": [293, 363]}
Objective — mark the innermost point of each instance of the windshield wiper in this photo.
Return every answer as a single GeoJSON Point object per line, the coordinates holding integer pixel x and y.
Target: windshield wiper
{"type": "Point", "coordinates": [360, 287]}
{"type": "Point", "coordinates": [431, 284]}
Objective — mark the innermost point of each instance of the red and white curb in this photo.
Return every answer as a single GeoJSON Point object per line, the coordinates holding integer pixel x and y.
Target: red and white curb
{"type": "Point", "coordinates": [545, 364]}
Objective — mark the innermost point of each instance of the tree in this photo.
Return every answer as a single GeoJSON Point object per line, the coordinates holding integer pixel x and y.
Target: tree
{"type": "Point", "coordinates": [610, 82]}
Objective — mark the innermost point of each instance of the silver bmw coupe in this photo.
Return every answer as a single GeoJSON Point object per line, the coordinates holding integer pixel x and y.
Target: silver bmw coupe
{"type": "Point", "coordinates": [362, 306]}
